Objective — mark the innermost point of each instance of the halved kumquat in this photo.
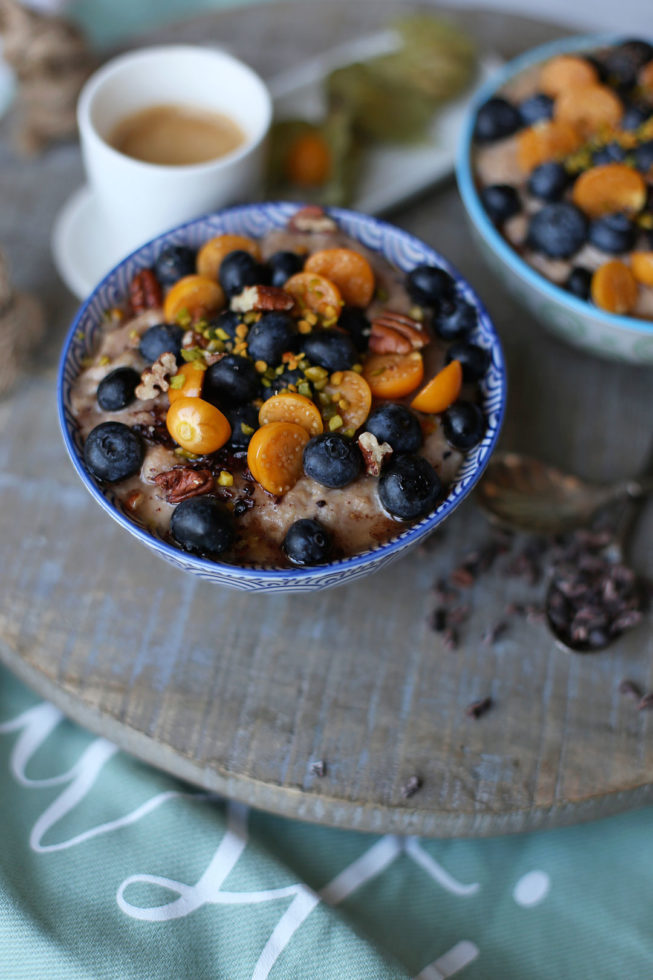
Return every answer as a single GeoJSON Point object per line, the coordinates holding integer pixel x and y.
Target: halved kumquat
{"type": "Point", "coordinates": [441, 391]}
{"type": "Point", "coordinates": [349, 270]}
{"type": "Point", "coordinates": [187, 382]}
{"type": "Point", "coordinates": [589, 108]}
{"type": "Point", "coordinates": [614, 287]}
{"type": "Point", "coordinates": [608, 188]}
{"type": "Point", "coordinates": [549, 140]}
{"type": "Point", "coordinates": [315, 293]}
{"type": "Point", "coordinates": [641, 264]}
{"type": "Point", "coordinates": [211, 254]}
{"type": "Point", "coordinates": [292, 407]}
{"type": "Point", "coordinates": [197, 426]}
{"type": "Point", "coordinates": [195, 296]}
{"type": "Point", "coordinates": [566, 72]}
{"type": "Point", "coordinates": [393, 375]}
{"type": "Point", "coordinates": [275, 455]}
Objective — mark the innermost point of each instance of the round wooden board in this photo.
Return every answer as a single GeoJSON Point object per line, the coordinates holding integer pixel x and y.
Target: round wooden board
{"type": "Point", "coordinates": [241, 693]}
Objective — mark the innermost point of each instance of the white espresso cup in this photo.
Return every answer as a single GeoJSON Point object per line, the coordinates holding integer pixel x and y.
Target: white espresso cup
{"type": "Point", "coordinates": [139, 200]}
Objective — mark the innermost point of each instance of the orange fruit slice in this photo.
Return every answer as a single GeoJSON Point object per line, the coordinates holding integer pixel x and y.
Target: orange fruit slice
{"type": "Point", "coordinates": [645, 78]}
{"type": "Point", "coordinates": [608, 188]}
{"type": "Point", "coordinates": [393, 375]}
{"type": "Point", "coordinates": [350, 271]}
{"type": "Point", "coordinates": [588, 108]}
{"type": "Point", "coordinates": [195, 296]}
{"type": "Point", "coordinates": [614, 287]}
{"type": "Point", "coordinates": [564, 72]}
{"type": "Point", "coordinates": [275, 455]}
{"type": "Point", "coordinates": [316, 293]}
{"type": "Point", "coordinates": [197, 426]}
{"type": "Point", "coordinates": [641, 264]}
{"type": "Point", "coordinates": [353, 396]}
{"type": "Point", "coordinates": [308, 162]}
{"type": "Point", "coordinates": [188, 381]}
{"type": "Point", "coordinates": [292, 407]}
{"type": "Point", "coordinates": [211, 254]}
{"type": "Point", "coordinates": [441, 391]}
{"type": "Point", "coordinates": [549, 140]}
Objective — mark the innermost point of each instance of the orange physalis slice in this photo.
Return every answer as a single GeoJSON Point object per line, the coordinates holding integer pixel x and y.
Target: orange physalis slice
{"type": "Point", "coordinates": [393, 375]}
{"type": "Point", "coordinates": [614, 287]}
{"type": "Point", "coordinates": [441, 391]}
{"type": "Point", "coordinates": [187, 382]}
{"type": "Point", "coordinates": [211, 254]}
{"type": "Point", "coordinates": [641, 264]}
{"type": "Point", "coordinates": [194, 296]}
{"type": "Point", "coordinates": [352, 396]}
{"type": "Point", "coordinates": [608, 188]}
{"type": "Point", "coordinates": [350, 271]}
{"type": "Point", "coordinates": [308, 162]}
{"type": "Point", "coordinates": [292, 407]}
{"type": "Point", "coordinates": [197, 426]}
{"type": "Point", "coordinates": [315, 293]}
{"type": "Point", "coordinates": [549, 140]}
{"type": "Point", "coordinates": [588, 108]}
{"type": "Point", "coordinates": [275, 455]}
{"type": "Point", "coordinates": [565, 72]}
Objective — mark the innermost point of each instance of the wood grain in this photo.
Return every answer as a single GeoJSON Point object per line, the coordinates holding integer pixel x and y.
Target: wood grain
{"type": "Point", "coordinates": [241, 693]}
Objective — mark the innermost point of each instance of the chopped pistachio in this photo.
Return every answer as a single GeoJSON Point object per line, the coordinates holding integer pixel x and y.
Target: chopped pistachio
{"type": "Point", "coordinates": [358, 368]}
{"type": "Point", "coordinates": [417, 313]}
{"type": "Point", "coordinates": [349, 432]}
{"type": "Point", "coordinates": [104, 360]}
{"type": "Point", "coordinates": [192, 354]}
{"type": "Point", "coordinates": [321, 384]}
{"type": "Point", "coordinates": [335, 423]}
{"type": "Point", "coordinates": [242, 331]}
{"type": "Point", "coordinates": [177, 382]}
{"type": "Point", "coordinates": [222, 334]}
{"type": "Point", "coordinates": [226, 479]}
{"type": "Point", "coordinates": [184, 318]}
{"type": "Point", "coordinates": [316, 373]}
{"type": "Point", "coordinates": [260, 366]}
{"type": "Point", "coordinates": [133, 335]}
{"type": "Point", "coordinates": [304, 389]}
{"type": "Point", "coordinates": [246, 429]}
{"type": "Point", "coordinates": [336, 378]}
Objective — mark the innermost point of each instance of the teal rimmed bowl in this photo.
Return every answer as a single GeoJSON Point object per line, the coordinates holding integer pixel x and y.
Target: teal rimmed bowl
{"type": "Point", "coordinates": [580, 323]}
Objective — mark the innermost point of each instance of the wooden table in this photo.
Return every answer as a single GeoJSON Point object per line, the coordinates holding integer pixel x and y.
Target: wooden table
{"type": "Point", "coordinates": [241, 693]}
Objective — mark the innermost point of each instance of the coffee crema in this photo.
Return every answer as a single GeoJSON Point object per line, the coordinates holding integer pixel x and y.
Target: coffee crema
{"type": "Point", "coordinates": [176, 135]}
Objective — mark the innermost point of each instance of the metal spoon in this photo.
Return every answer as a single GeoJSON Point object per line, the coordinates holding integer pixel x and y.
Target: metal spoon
{"type": "Point", "coordinates": [528, 495]}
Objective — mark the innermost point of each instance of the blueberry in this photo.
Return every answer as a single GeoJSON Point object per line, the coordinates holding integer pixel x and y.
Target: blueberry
{"type": "Point", "coordinates": [579, 282]}
{"type": "Point", "coordinates": [113, 451]}
{"type": "Point", "coordinates": [644, 156]}
{"type": "Point", "coordinates": [610, 153]}
{"type": "Point", "coordinates": [332, 460]}
{"type": "Point", "coordinates": [227, 321]}
{"type": "Point", "coordinates": [243, 415]}
{"type": "Point", "coordinates": [463, 425]}
{"type": "Point", "coordinates": [501, 201]}
{"type": "Point", "coordinates": [353, 320]}
{"type": "Point", "coordinates": [548, 181]}
{"type": "Point", "coordinates": [174, 261]}
{"type": "Point", "coordinates": [271, 337]}
{"type": "Point", "coordinates": [409, 487]}
{"type": "Point", "coordinates": [624, 61]}
{"type": "Point", "coordinates": [307, 542]}
{"type": "Point", "coordinates": [161, 339]}
{"type": "Point", "coordinates": [635, 115]}
{"type": "Point", "coordinates": [427, 285]}
{"type": "Point", "coordinates": [283, 380]}
{"type": "Point", "coordinates": [330, 349]}
{"type": "Point", "coordinates": [535, 109]}
{"type": "Point", "coordinates": [454, 318]}
{"type": "Point", "coordinates": [474, 360]}
{"type": "Point", "coordinates": [496, 119]}
{"type": "Point", "coordinates": [116, 389]}
{"type": "Point", "coordinates": [237, 270]}
{"type": "Point", "coordinates": [396, 425]}
{"type": "Point", "coordinates": [558, 230]}
{"type": "Point", "coordinates": [202, 525]}
{"type": "Point", "coordinates": [230, 381]}
{"type": "Point", "coordinates": [614, 233]}
{"type": "Point", "coordinates": [282, 266]}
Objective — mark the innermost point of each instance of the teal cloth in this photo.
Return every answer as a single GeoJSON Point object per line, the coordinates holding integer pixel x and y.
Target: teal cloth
{"type": "Point", "coordinates": [110, 869]}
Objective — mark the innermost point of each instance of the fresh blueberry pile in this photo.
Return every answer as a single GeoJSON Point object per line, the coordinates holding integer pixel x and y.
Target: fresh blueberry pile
{"type": "Point", "coordinates": [583, 142]}
{"type": "Point", "coordinates": [263, 372]}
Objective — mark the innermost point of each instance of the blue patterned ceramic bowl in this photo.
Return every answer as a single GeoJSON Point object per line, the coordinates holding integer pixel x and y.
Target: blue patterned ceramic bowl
{"type": "Point", "coordinates": [399, 248]}
{"type": "Point", "coordinates": [580, 323]}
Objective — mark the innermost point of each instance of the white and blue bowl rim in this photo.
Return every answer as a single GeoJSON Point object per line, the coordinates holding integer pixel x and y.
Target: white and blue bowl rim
{"type": "Point", "coordinates": [402, 250]}
{"type": "Point", "coordinates": [472, 201]}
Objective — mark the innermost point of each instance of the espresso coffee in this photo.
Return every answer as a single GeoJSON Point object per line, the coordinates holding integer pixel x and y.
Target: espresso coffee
{"type": "Point", "coordinates": [175, 135]}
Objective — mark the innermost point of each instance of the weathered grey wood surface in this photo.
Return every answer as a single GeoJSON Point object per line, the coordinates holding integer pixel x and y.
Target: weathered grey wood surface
{"type": "Point", "coordinates": [241, 693]}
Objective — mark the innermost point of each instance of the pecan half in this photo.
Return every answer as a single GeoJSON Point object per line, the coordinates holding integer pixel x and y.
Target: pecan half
{"type": "Point", "coordinates": [154, 378]}
{"type": "Point", "coordinates": [145, 292]}
{"type": "Point", "coordinates": [373, 452]}
{"type": "Point", "coordinates": [261, 299]}
{"type": "Point", "coordinates": [312, 218]}
{"type": "Point", "coordinates": [396, 333]}
{"type": "Point", "coordinates": [193, 339]}
{"type": "Point", "coordinates": [182, 482]}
